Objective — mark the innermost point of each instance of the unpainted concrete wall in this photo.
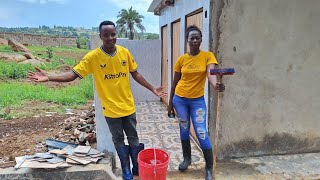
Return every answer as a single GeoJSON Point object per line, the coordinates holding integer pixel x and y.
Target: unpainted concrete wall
{"type": "Point", "coordinates": [271, 105]}
{"type": "Point", "coordinates": [41, 40]}
{"type": "Point", "coordinates": [147, 54]}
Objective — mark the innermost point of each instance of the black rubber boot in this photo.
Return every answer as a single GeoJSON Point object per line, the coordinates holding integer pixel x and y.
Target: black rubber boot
{"type": "Point", "coordinates": [186, 149]}
{"type": "Point", "coordinates": [134, 151]}
{"type": "Point", "coordinates": [123, 153]}
{"type": "Point", "coordinates": [208, 157]}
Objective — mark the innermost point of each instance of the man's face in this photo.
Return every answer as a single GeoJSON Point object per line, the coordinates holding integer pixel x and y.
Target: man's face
{"type": "Point", "coordinates": [108, 35]}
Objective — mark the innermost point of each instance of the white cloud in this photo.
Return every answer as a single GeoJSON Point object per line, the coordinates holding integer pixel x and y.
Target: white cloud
{"type": "Point", "coordinates": [29, 1]}
{"type": "Point", "coordinates": [45, 1]}
{"type": "Point", "coordinates": [138, 5]}
{"type": "Point", "coordinates": [59, 1]}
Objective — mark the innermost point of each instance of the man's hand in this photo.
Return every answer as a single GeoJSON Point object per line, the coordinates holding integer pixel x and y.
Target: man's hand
{"type": "Point", "coordinates": [219, 87]}
{"type": "Point", "coordinates": [39, 76]}
{"type": "Point", "coordinates": [159, 92]}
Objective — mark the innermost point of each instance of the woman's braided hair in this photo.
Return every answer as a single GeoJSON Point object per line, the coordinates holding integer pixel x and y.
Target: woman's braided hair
{"type": "Point", "coordinates": [192, 28]}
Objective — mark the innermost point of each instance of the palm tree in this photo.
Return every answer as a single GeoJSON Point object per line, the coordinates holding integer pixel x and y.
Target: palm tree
{"type": "Point", "coordinates": [129, 20]}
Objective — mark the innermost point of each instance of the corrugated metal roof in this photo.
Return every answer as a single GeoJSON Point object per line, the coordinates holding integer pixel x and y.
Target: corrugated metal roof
{"type": "Point", "coordinates": [154, 4]}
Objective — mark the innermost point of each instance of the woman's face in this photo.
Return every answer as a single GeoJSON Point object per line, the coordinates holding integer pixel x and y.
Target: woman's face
{"type": "Point", "coordinates": [194, 39]}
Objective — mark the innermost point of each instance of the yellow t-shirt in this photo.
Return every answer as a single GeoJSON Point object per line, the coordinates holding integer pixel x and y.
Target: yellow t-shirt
{"type": "Point", "coordinates": [112, 81]}
{"type": "Point", "coordinates": [193, 71]}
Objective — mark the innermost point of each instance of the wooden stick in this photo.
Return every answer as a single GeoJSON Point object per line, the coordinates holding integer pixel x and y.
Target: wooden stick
{"type": "Point", "coordinates": [216, 137]}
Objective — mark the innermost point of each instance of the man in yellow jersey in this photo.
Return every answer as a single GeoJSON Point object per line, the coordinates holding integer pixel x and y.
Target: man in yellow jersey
{"type": "Point", "coordinates": [110, 65]}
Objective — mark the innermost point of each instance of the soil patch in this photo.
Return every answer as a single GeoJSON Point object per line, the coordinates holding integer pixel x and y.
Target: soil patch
{"type": "Point", "coordinates": [50, 84]}
{"type": "Point", "coordinates": [27, 136]}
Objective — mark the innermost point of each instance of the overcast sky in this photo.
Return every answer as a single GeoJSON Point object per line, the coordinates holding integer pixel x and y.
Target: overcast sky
{"type": "Point", "coordinates": [76, 13]}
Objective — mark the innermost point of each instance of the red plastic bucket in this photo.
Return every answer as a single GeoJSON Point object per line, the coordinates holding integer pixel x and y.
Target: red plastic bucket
{"type": "Point", "coordinates": [148, 170]}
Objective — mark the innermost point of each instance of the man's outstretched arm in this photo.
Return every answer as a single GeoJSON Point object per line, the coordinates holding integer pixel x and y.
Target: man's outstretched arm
{"type": "Point", "coordinates": [158, 91]}
{"type": "Point", "coordinates": [42, 76]}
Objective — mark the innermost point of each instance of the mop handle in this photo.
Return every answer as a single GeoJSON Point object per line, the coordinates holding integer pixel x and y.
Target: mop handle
{"type": "Point", "coordinates": [140, 130]}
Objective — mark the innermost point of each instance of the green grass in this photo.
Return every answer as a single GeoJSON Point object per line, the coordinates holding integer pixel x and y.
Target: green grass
{"type": "Point", "coordinates": [16, 93]}
{"type": "Point", "coordinates": [36, 49]}
{"type": "Point", "coordinates": [5, 49]}
{"type": "Point", "coordinates": [13, 70]}
{"type": "Point", "coordinates": [13, 94]}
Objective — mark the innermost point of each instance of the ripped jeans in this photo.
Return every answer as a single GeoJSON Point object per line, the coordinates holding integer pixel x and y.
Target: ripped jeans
{"type": "Point", "coordinates": [197, 110]}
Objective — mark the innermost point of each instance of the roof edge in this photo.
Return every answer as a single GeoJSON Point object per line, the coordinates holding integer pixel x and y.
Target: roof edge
{"type": "Point", "coordinates": [157, 5]}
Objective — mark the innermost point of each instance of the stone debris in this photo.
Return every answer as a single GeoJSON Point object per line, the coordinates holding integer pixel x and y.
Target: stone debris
{"type": "Point", "coordinates": [78, 129]}
{"type": "Point", "coordinates": [3, 42]}
{"type": "Point", "coordinates": [60, 158]}
{"type": "Point", "coordinates": [26, 58]}
{"type": "Point", "coordinates": [12, 57]}
{"type": "Point", "coordinates": [17, 46]}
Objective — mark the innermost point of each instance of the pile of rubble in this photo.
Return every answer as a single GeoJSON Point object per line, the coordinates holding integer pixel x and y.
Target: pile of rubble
{"type": "Point", "coordinates": [23, 54]}
{"type": "Point", "coordinates": [78, 129]}
{"type": "Point", "coordinates": [60, 158]}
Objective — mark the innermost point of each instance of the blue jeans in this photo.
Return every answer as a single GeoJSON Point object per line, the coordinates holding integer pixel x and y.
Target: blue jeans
{"type": "Point", "coordinates": [197, 110]}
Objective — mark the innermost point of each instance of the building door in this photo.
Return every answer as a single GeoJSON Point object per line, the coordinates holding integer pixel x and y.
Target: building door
{"type": "Point", "coordinates": [194, 18]}
{"type": "Point", "coordinates": [164, 63]}
{"type": "Point", "coordinates": [175, 45]}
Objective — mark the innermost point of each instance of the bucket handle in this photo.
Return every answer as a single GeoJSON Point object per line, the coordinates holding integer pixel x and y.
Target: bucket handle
{"type": "Point", "coordinates": [154, 151]}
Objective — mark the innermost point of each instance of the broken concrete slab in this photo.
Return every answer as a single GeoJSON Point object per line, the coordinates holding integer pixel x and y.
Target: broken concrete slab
{"type": "Point", "coordinates": [17, 46]}
{"type": "Point", "coordinates": [12, 57]}
{"type": "Point", "coordinates": [82, 149]}
{"type": "Point", "coordinates": [58, 151]}
{"type": "Point", "coordinates": [39, 165]}
{"type": "Point", "coordinates": [90, 171]}
{"type": "Point", "coordinates": [3, 42]}
{"type": "Point", "coordinates": [55, 144]}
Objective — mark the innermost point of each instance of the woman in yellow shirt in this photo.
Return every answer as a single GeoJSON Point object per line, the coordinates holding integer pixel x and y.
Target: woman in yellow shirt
{"type": "Point", "coordinates": [187, 91]}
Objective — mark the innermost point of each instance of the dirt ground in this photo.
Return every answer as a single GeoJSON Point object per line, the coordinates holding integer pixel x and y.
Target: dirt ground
{"type": "Point", "coordinates": [26, 136]}
{"type": "Point", "coordinates": [41, 120]}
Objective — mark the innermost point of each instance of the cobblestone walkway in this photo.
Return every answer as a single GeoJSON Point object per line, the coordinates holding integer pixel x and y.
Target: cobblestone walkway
{"type": "Point", "coordinates": [154, 126]}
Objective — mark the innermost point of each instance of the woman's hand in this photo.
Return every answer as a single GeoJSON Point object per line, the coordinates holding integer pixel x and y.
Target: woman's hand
{"type": "Point", "coordinates": [170, 111]}
{"type": "Point", "coordinates": [219, 87]}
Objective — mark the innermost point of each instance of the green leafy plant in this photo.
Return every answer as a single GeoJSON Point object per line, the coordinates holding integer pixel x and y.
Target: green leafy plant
{"type": "Point", "coordinates": [49, 52]}
{"type": "Point", "coordinates": [6, 116]}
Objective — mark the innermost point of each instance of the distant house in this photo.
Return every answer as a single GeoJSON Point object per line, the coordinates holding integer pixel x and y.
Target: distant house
{"type": "Point", "coordinates": [271, 105]}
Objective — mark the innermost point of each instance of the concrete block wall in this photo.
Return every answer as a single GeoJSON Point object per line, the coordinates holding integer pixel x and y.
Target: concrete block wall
{"type": "Point", "coordinates": [271, 105]}
{"type": "Point", "coordinates": [33, 39]}
{"type": "Point", "coordinates": [41, 40]}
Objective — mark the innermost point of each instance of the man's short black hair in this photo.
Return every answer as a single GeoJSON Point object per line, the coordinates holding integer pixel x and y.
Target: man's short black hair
{"type": "Point", "coordinates": [192, 28]}
{"type": "Point", "coordinates": [106, 23]}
